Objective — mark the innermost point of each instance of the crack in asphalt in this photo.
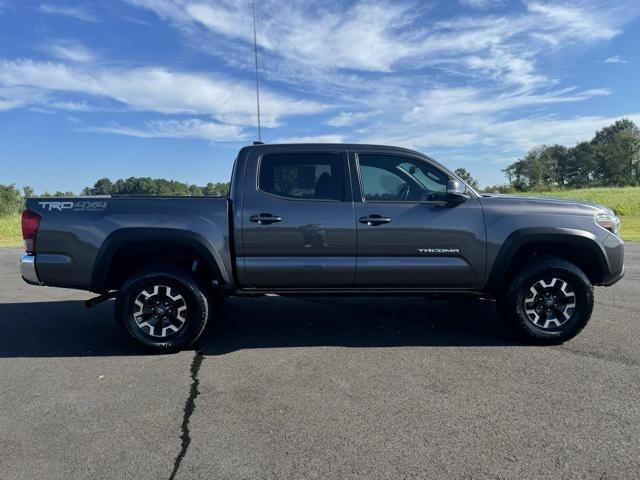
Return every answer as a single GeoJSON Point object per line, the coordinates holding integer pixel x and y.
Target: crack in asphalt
{"type": "Point", "coordinates": [189, 407]}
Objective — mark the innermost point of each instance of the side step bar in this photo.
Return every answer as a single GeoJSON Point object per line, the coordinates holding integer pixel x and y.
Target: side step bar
{"type": "Point", "coordinates": [92, 302]}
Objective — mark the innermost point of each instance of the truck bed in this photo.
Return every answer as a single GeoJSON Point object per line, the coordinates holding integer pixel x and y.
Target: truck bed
{"type": "Point", "coordinates": [79, 235]}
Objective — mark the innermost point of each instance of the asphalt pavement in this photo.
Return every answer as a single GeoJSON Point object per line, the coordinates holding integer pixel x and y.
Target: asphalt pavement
{"type": "Point", "coordinates": [326, 388]}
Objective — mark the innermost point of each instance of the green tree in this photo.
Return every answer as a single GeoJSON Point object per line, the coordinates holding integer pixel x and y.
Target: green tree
{"type": "Point", "coordinates": [580, 166]}
{"type": "Point", "coordinates": [465, 175]}
{"type": "Point", "coordinates": [11, 202]}
{"type": "Point", "coordinates": [610, 158]}
{"type": "Point", "coordinates": [195, 191]}
{"type": "Point", "coordinates": [216, 189]}
{"type": "Point", "coordinates": [616, 149]}
{"type": "Point", "coordinates": [613, 149]}
{"type": "Point", "coordinates": [498, 189]}
{"type": "Point", "coordinates": [153, 186]}
{"type": "Point", "coordinates": [104, 186]}
{"type": "Point", "coordinates": [28, 192]}
{"type": "Point", "coordinates": [538, 169]}
{"type": "Point", "coordinates": [557, 157]}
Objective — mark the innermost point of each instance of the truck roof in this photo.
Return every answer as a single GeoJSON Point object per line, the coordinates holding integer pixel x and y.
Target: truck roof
{"type": "Point", "coordinates": [348, 146]}
{"type": "Point", "coordinates": [341, 146]}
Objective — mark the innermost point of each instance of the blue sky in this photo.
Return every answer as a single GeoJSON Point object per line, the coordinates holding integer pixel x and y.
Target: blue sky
{"type": "Point", "coordinates": [165, 88]}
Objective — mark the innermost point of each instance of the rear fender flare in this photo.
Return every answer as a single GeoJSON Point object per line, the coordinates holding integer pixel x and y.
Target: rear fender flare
{"type": "Point", "coordinates": [125, 236]}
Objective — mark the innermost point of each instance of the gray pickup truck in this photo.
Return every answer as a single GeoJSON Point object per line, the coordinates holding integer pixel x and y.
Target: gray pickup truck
{"type": "Point", "coordinates": [325, 219]}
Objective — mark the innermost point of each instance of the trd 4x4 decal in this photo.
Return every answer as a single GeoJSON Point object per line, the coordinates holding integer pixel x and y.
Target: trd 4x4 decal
{"type": "Point", "coordinates": [82, 206]}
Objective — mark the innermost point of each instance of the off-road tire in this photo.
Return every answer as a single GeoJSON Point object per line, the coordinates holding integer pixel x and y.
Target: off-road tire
{"type": "Point", "coordinates": [525, 314]}
{"type": "Point", "coordinates": [171, 282]}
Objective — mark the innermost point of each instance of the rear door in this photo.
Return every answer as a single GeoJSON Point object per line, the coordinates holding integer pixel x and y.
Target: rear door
{"type": "Point", "coordinates": [408, 236]}
{"type": "Point", "coordinates": [298, 221]}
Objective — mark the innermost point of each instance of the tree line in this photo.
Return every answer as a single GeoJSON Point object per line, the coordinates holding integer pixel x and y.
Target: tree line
{"type": "Point", "coordinates": [610, 159]}
{"type": "Point", "coordinates": [12, 199]}
{"type": "Point", "coordinates": [154, 186]}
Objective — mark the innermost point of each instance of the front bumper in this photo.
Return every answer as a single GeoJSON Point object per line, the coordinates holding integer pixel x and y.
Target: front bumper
{"type": "Point", "coordinates": [613, 278]}
{"type": "Point", "coordinates": [614, 250]}
{"type": "Point", "coordinates": [28, 269]}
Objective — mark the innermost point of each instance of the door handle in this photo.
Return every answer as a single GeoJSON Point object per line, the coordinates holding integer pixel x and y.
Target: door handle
{"type": "Point", "coordinates": [374, 220]}
{"type": "Point", "coordinates": [265, 219]}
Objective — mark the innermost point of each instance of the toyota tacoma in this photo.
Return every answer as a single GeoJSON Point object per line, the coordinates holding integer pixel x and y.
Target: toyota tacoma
{"type": "Point", "coordinates": [325, 219]}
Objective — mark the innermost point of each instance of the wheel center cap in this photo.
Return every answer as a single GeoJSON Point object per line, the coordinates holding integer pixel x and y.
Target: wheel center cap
{"type": "Point", "coordinates": [160, 310]}
{"type": "Point", "coordinates": [549, 301]}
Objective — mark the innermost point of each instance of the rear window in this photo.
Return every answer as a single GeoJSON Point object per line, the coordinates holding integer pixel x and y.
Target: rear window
{"type": "Point", "coordinates": [303, 175]}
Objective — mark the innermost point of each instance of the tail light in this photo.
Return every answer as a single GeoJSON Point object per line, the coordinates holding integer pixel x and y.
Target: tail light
{"type": "Point", "coordinates": [30, 226]}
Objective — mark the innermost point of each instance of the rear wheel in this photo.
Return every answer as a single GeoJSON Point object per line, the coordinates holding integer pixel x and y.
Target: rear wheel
{"type": "Point", "coordinates": [163, 309]}
{"type": "Point", "coordinates": [548, 302]}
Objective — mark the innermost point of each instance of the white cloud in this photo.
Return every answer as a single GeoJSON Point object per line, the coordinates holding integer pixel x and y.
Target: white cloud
{"type": "Point", "coordinates": [381, 35]}
{"type": "Point", "coordinates": [455, 105]}
{"type": "Point", "coordinates": [527, 132]}
{"type": "Point", "coordinates": [10, 104]}
{"type": "Point", "coordinates": [480, 3]}
{"type": "Point", "coordinates": [513, 136]}
{"type": "Point", "coordinates": [313, 139]}
{"type": "Point", "coordinates": [347, 119]}
{"type": "Point", "coordinates": [616, 59]}
{"type": "Point", "coordinates": [77, 12]}
{"type": "Point", "coordinates": [190, 129]}
{"type": "Point", "coordinates": [70, 50]}
{"type": "Point", "coordinates": [17, 97]}
{"type": "Point", "coordinates": [393, 70]}
{"type": "Point", "coordinates": [81, 106]}
{"type": "Point", "coordinates": [366, 37]}
{"type": "Point", "coordinates": [576, 20]}
{"type": "Point", "coordinates": [159, 90]}
{"type": "Point", "coordinates": [371, 61]}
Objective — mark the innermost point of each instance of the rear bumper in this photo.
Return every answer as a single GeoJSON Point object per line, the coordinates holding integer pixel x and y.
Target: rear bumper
{"type": "Point", "coordinates": [28, 269]}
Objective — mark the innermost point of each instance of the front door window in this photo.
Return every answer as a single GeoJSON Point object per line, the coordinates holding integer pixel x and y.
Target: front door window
{"type": "Point", "coordinates": [392, 178]}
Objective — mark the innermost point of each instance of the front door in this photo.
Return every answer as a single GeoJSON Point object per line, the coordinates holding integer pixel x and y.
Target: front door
{"type": "Point", "coordinates": [408, 236]}
{"type": "Point", "coordinates": [298, 222]}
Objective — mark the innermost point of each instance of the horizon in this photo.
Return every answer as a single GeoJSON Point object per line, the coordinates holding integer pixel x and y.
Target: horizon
{"type": "Point", "coordinates": [166, 89]}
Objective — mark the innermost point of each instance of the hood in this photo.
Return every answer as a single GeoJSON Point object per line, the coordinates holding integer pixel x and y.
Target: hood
{"type": "Point", "coordinates": [549, 202]}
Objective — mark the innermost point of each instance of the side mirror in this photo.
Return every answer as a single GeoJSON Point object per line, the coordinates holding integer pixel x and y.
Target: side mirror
{"type": "Point", "coordinates": [456, 192]}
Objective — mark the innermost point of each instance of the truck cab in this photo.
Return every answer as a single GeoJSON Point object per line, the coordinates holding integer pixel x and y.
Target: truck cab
{"type": "Point", "coordinates": [368, 217]}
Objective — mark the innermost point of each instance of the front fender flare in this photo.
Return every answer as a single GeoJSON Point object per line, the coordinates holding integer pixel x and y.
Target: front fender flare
{"type": "Point", "coordinates": [525, 236]}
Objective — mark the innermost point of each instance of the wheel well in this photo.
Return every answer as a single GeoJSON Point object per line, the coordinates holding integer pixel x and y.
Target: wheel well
{"type": "Point", "coordinates": [581, 255]}
{"type": "Point", "coordinates": [131, 258]}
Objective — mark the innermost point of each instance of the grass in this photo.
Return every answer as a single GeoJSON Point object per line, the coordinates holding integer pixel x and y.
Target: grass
{"type": "Point", "coordinates": [631, 228]}
{"type": "Point", "coordinates": [10, 231]}
{"type": "Point", "coordinates": [624, 201]}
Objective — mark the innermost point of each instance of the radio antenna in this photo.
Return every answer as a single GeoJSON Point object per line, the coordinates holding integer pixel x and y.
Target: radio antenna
{"type": "Point", "coordinates": [255, 57]}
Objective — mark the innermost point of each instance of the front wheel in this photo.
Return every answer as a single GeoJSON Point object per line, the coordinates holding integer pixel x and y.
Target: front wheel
{"type": "Point", "coordinates": [163, 309]}
{"type": "Point", "coordinates": [548, 302]}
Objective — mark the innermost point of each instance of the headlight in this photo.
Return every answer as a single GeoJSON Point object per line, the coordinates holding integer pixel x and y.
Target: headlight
{"type": "Point", "coordinates": [608, 221]}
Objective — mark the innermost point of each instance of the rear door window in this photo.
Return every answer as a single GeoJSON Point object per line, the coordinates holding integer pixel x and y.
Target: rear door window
{"type": "Point", "coordinates": [314, 176]}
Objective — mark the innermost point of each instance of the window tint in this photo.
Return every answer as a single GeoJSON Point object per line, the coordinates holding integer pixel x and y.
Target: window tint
{"type": "Point", "coordinates": [303, 175]}
{"type": "Point", "coordinates": [390, 178]}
